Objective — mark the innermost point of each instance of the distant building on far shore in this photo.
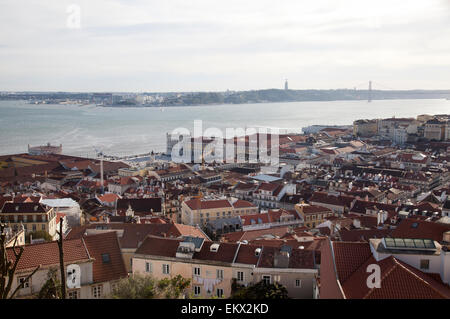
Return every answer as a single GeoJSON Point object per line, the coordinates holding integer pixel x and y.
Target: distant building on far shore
{"type": "Point", "coordinates": [44, 149]}
{"type": "Point", "coordinates": [286, 86]}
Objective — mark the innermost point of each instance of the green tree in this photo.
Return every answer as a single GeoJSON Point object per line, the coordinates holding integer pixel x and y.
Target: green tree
{"type": "Point", "coordinates": [147, 287]}
{"type": "Point", "coordinates": [172, 288]}
{"type": "Point", "coordinates": [52, 287]}
{"type": "Point", "coordinates": [260, 290]}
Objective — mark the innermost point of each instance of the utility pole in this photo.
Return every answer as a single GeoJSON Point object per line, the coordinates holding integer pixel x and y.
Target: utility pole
{"type": "Point", "coordinates": [61, 259]}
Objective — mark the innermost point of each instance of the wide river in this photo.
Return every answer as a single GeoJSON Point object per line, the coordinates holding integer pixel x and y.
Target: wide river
{"type": "Point", "coordinates": [127, 131]}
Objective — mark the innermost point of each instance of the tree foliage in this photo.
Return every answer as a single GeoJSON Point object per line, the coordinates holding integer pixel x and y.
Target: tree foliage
{"type": "Point", "coordinates": [52, 287]}
{"type": "Point", "coordinates": [8, 267]}
{"type": "Point", "coordinates": [260, 290]}
{"type": "Point", "coordinates": [146, 287]}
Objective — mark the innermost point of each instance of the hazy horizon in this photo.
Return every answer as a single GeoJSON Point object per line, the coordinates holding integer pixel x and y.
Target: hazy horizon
{"type": "Point", "coordinates": [211, 46]}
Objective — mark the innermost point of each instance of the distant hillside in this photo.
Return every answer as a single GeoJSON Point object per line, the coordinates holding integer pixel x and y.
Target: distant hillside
{"type": "Point", "coordinates": [229, 97]}
{"type": "Point", "coordinates": [274, 95]}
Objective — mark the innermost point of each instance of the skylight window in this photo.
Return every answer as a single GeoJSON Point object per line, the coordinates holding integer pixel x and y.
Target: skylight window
{"type": "Point", "coordinates": [407, 243]}
{"type": "Point", "coordinates": [106, 259]}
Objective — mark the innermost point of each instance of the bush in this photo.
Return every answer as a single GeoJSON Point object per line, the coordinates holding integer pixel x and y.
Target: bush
{"type": "Point", "coordinates": [146, 287]}
{"type": "Point", "coordinates": [260, 290]}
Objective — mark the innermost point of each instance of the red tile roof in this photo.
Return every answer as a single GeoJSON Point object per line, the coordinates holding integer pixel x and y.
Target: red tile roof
{"type": "Point", "coordinates": [99, 246]}
{"type": "Point", "coordinates": [227, 252]}
{"type": "Point", "coordinates": [134, 234]}
{"type": "Point", "coordinates": [413, 228]}
{"type": "Point", "coordinates": [47, 254]}
{"type": "Point", "coordinates": [109, 198]}
{"type": "Point", "coordinates": [268, 187]}
{"type": "Point", "coordinates": [242, 204]}
{"type": "Point", "coordinates": [337, 200]}
{"type": "Point", "coordinates": [349, 256]}
{"type": "Point", "coordinates": [398, 281]}
{"type": "Point", "coordinates": [195, 204]}
{"type": "Point", "coordinates": [18, 208]}
{"type": "Point", "coordinates": [255, 219]}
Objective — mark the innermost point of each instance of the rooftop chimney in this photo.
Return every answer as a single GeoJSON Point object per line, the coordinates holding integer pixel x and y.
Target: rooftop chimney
{"type": "Point", "coordinates": [281, 260]}
{"type": "Point", "coordinates": [446, 237]}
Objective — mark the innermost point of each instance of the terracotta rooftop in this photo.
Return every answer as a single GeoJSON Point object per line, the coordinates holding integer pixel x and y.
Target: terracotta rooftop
{"type": "Point", "coordinates": [108, 261]}
{"type": "Point", "coordinates": [47, 254]}
{"type": "Point", "coordinates": [242, 204]}
{"type": "Point", "coordinates": [398, 281]}
{"type": "Point", "coordinates": [195, 204]}
{"type": "Point", "coordinates": [19, 208]}
{"type": "Point", "coordinates": [413, 228]}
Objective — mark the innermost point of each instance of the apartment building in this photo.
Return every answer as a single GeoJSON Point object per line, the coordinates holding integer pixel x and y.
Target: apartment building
{"type": "Point", "coordinates": [33, 217]}
{"type": "Point", "coordinates": [213, 267]}
{"type": "Point", "coordinates": [201, 211]}
{"type": "Point", "coordinates": [98, 258]}
{"type": "Point", "coordinates": [313, 215]}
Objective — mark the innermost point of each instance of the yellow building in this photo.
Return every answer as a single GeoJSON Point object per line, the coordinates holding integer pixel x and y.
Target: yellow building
{"type": "Point", "coordinates": [213, 267]}
{"type": "Point", "coordinates": [365, 128]}
{"type": "Point", "coordinates": [200, 211]}
{"type": "Point", "coordinates": [33, 217]}
{"type": "Point", "coordinates": [313, 215]}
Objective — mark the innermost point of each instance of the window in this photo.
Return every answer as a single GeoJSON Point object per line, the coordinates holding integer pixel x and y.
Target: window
{"type": "Point", "coordinates": [74, 294]}
{"type": "Point", "coordinates": [106, 259]}
{"type": "Point", "coordinates": [219, 292]}
{"type": "Point", "coordinates": [266, 280]}
{"type": "Point", "coordinates": [197, 290]}
{"type": "Point", "coordinates": [34, 227]}
{"type": "Point", "coordinates": [197, 271]}
{"type": "Point", "coordinates": [26, 284]}
{"type": "Point", "coordinates": [240, 276]}
{"type": "Point", "coordinates": [166, 269]}
{"type": "Point", "coordinates": [298, 283]}
{"type": "Point", "coordinates": [43, 226]}
{"type": "Point", "coordinates": [148, 267]}
{"type": "Point", "coordinates": [97, 291]}
{"type": "Point", "coordinates": [424, 264]}
{"type": "Point", "coordinates": [219, 273]}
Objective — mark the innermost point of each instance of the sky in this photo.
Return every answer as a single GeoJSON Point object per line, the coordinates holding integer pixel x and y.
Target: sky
{"type": "Point", "coordinates": [212, 45]}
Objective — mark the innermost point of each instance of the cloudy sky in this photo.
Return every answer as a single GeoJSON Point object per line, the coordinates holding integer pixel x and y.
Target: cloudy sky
{"type": "Point", "coordinates": [212, 45]}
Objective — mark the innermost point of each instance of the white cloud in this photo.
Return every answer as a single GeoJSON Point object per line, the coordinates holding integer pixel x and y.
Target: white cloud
{"type": "Point", "coordinates": [215, 45]}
